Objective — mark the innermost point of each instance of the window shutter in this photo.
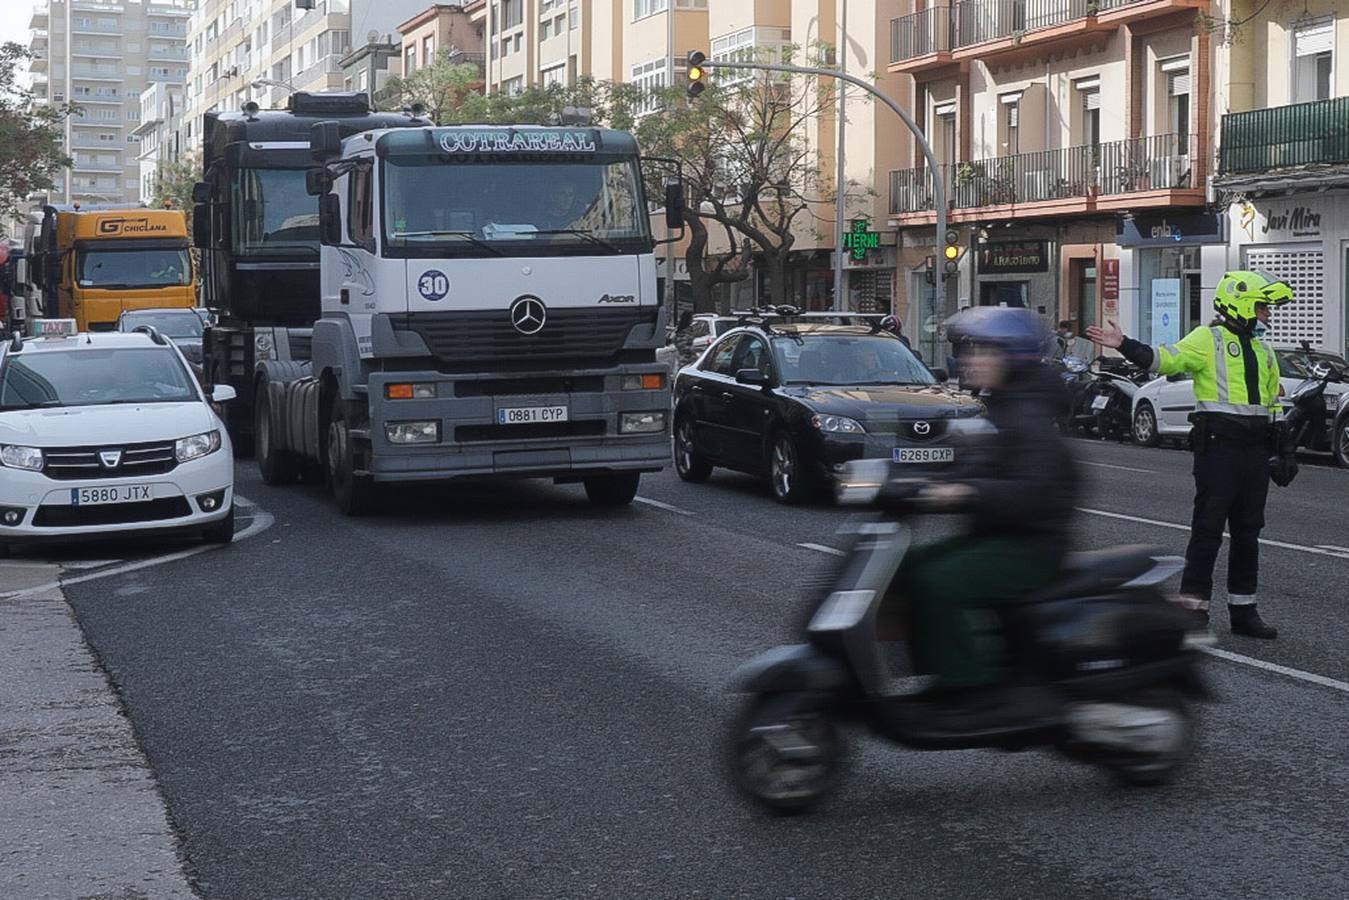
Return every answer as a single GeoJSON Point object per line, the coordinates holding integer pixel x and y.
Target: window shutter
{"type": "Point", "coordinates": [1091, 100]}
{"type": "Point", "coordinates": [1180, 83]}
{"type": "Point", "coordinates": [1314, 38]}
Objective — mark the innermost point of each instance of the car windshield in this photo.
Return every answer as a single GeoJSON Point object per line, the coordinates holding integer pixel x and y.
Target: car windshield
{"type": "Point", "coordinates": [513, 207]}
{"type": "Point", "coordinates": [185, 324]}
{"type": "Point", "coordinates": [144, 268]}
{"type": "Point", "coordinates": [1299, 363]}
{"type": "Point", "coordinates": [847, 359]}
{"type": "Point", "coordinates": [91, 377]}
{"type": "Point", "coordinates": [274, 214]}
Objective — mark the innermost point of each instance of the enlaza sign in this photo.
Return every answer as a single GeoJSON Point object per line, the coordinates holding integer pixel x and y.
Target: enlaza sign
{"type": "Point", "coordinates": [130, 226]}
{"type": "Point", "coordinates": [518, 142]}
{"type": "Point", "coordinates": [1011, 257]}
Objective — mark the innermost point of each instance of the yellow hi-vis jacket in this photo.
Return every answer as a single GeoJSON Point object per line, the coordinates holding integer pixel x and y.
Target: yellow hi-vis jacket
{"type": "Point", "coordinates": [1232, 375]}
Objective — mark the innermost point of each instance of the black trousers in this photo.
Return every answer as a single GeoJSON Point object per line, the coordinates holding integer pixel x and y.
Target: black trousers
{"type": "Point", "coordinates": [1231, 481]}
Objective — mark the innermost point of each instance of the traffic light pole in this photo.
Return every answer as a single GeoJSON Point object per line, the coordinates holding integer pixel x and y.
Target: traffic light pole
{"type": "Point", "coordinates": [938, 189]}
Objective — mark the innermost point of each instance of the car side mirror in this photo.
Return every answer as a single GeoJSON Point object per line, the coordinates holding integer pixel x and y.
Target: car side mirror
{"type": "Point", "coordinates": [941, 375]}
{"type": "Point", "coordinates": [330, 220]}
{"type": "Point", "coordinates": [201, 192]}
{"type": "Point", "coordinates": [222, 393]}
{"type": "Point", "coordinates": [753, 377]}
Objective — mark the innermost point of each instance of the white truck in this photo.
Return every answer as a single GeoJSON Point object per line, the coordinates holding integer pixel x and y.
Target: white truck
{"type": "Point", "coordinates": [489, 309]}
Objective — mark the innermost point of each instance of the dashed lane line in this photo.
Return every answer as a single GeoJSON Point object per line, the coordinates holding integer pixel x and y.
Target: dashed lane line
{"type": "Point", "coordinates": [1309, 677]}
{"type": "Point", "coordinates": [1119, 468]}
{"type": "Point", "coordinates": [821, 548]}
{"type": "Point", "coordinates": [665, 506]}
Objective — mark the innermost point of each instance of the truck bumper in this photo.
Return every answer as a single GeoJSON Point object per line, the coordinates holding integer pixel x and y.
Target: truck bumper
{"type": "Point", "coordinates": [472, 442]}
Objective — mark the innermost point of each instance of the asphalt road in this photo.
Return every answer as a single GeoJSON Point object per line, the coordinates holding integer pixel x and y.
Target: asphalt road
{"type": "Point", "coordinates": [500, 692]}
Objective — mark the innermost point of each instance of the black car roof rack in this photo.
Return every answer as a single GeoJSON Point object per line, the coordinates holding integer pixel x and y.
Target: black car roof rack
{"type": "Point", "coordinates": [768, 316]}
{"type": "Point", "coordinates": [153, 332]}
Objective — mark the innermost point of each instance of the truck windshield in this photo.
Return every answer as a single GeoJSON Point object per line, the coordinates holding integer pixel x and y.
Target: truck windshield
{"type": "Point", "coordinates": [273, 215]}
{"type": "Point", "coordinates": [518, 208]}
{"type": "Point", "coordinates": [114, 269]}
{"type": "Point", "coordinates": [93, 378]}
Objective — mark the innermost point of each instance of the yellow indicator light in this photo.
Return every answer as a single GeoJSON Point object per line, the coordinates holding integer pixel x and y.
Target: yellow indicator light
{"type": "Point", "coordinates": [952, 252]}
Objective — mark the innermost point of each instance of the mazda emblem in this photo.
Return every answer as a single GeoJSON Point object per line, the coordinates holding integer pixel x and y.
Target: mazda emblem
{"type": "Point", "coordinates": [110, 459]}
{"type": "Point", "coordinates": [528, 315]}
{"type": "Point", "coordinates": [921, 428]}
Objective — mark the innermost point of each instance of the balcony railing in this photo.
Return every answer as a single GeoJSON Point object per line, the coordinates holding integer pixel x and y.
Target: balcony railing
{"type": "Point", "coordinates": [964, 23]}
{"type": "Point", "coordinates": [1153, 163]}
{"type": "Point", "coordinates": [1304, 134]}
{"type": "Point", "coordinates": [920, 34]}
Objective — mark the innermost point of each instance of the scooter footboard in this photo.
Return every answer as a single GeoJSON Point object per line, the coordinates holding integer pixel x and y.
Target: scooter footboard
{"type": "Point", "coordinates": [797, 667]}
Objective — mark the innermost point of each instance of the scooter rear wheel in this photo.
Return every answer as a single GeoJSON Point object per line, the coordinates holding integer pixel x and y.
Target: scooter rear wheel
{"type": "Point", "coordinates": [786, 754]}
{"type": "Point", "coordinates": [1174, 727]}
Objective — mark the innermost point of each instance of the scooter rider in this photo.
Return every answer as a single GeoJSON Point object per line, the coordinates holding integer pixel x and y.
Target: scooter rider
{"type": "Point", "coordinates": [1020, 489]}
{"type": "Point", "coordinates": [1236, 388]}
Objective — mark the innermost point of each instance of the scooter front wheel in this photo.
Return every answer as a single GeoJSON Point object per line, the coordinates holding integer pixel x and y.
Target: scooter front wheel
{"type": "Point", "coordinates": [786, 753]}
{"type": "Point", "coordinates": [1161, 726]}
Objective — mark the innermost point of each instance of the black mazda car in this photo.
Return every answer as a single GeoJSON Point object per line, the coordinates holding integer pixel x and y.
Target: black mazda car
{"type": "Point", "coordinates": [796, 399]}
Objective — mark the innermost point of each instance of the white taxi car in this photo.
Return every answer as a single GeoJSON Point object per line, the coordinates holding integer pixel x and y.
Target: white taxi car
{"type": "Point", "coordinates": [108, 435]}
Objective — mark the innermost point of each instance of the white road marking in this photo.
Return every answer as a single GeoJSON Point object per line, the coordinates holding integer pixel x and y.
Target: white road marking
{"type": "Point", "coordinates": [1335, 553]}
{"type": "Point", "coordinates": [262, 520]}
{"type": "Point", "coordinates": [1120, 468]}
{"type": "Point", "coordinates": [665, 506]}
{"type": "Point", "coordinates": [1333, 547]}
{"type": "Point", "coordinates": [821, 548]}
{"type": "Point", "coordinates": [1277, 669]}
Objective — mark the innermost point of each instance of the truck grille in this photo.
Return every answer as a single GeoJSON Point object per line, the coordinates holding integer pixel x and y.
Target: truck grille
{"type": "Point", "coordinates": [487, 336]}
{"type": "Point", "coordinates": [111, 513]}
{"type": "Point", "coordinates": [83, 462]}
{"type": "Point", "coordinates": [467, 434]}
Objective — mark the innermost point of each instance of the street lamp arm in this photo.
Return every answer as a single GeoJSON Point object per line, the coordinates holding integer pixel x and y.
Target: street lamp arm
{"type": "Point", "coordinates": [938, 189]}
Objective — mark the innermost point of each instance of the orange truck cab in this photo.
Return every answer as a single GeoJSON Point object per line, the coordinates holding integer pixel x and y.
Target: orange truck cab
{"type": "Point", "coordinates": [94, 263]}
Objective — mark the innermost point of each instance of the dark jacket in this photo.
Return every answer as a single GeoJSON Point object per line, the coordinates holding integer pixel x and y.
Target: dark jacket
{"type": "Point", "coordinates": [1026, 478]}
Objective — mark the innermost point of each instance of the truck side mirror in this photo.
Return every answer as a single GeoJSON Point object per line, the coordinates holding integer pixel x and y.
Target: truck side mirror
{"type": "Point", "coordinates": [674, 203]}
{"type": "Point", "coordinates": [201, 192]}
{"type": "Point", "coordinates": [325, 141]}
{"type": "Point", "coordinates": [316, 182]}
{"type": "Point", "coordinates": [201, 226]}
{"type": "Point", "coordinates": [330, 220]}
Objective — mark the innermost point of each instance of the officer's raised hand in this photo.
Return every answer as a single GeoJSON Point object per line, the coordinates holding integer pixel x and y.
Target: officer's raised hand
{"type": "Point", "coordinates": [1110, 337]}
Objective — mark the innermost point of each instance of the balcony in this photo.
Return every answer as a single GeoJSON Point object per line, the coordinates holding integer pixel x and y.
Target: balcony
{"type": "Point", "coordinates": [38, 62]}
{"type": "Point", "coordinates": [1118, 175]}
{"type": "Point", "coordinates": [172, 53]}
{"type": "Point", "coordinates": [986, 29]}
{"type": "Point", "coordinates": [1304, 134]}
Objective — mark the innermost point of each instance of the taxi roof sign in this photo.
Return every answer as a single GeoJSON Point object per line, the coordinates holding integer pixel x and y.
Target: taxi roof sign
{"type": "Point", "coordinates": [52, 328]}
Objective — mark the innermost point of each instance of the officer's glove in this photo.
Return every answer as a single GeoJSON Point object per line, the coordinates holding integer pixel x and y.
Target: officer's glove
{"type": "Point", "coordinates": [1282, 470]}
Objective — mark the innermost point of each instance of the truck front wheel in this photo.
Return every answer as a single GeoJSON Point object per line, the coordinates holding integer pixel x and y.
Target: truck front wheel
{"type": "Point", "coordinates": [355, 494]}
{"type": "Point", "coordinates": [617, 489]}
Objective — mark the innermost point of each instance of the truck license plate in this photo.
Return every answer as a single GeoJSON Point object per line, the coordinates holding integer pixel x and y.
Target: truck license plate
{"type": "Point", "coordinates": [1100, 402]}
{"type": "Point", "coordinates": [524, 415]}
{"type": "Point", "coordinates": [924, 454]}
{"type": "Point", "coordinates": [122, 493]}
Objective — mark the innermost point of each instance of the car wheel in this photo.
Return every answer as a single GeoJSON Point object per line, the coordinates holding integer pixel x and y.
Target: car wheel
{"type": "Point", "coordinates": [1145, 426]}
{"type": "Point", "coordinates": [613, 490]}
{"type": "Point", "coordinates": [276, 465]}
{"type": "Point", "coordinates": [786, 473]}
{"type": "Point", "coordinates": [355, 494]}
{"type": "Point", "coordinates": [1339, 444]}
{"type": "Point", "coordinates": [690, 465]}
{"type": "Point", "coordinates": [221, 532]}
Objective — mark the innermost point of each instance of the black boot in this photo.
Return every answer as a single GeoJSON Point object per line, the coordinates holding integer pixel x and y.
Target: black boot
{"type": "Point", "coordinates": [1246, 621]}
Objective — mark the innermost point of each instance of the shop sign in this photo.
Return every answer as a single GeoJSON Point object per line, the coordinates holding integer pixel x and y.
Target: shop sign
{"type": "Point", "coordinates": [1013, 257]}
{"type": "Point", "coordinates": [1292, 221]}
{"type": "Point", "coordinates": [1166, 229]}
{"type": "Point", "coordinates": [1165, 310]}
{"type": "Point", "coordinates": [859, 239]}
{"type": "Point", "coordinates": [1110, 279]}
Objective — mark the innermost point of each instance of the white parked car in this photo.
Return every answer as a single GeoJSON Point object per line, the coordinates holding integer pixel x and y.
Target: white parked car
{"type": "Point", "coordinates": [109, 435]}
{"type": "Point", "coordinates": [1162, 407]}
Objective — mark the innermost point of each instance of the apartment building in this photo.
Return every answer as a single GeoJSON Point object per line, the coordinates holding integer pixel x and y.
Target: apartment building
{"type": "Point", "coordinates": [101, 56]}
{"type": "Point", "coordinates": [1283, 159]}
{"type": "Point", "coordinates": [159, 134]}
{"type": "Point", "coordinates": [444, 31]}
{"type": "Point", "coordinates": [1074, 140]}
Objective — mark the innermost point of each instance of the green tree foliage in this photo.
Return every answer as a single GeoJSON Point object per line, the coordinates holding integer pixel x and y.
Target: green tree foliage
{"type": "Point", "coordinates": [173, 184]}
{"type": "Point", "coordinates": [31, 155]}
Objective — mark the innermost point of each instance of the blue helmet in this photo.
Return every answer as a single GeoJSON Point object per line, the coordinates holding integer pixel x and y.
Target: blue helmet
{"type": "Point", "coordinates": [1016, 331]}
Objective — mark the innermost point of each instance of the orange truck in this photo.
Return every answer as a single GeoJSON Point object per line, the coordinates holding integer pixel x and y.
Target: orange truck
{"type": "Point", "coordinates": [91, 264]}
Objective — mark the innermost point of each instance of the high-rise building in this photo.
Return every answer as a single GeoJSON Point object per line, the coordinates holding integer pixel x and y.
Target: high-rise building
{"type": "Point", "coordinates": [101, 56]}
{"type": "Point", "coordinates": [160, 135]}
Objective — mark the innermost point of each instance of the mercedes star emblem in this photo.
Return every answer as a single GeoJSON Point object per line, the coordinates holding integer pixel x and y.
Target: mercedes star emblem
{"type": "Point", "coordinates": [110, 459]}
{"type": "Point", "coordinates": [921, 428]}
{"type": "Point", "coordinates": [528, 315]}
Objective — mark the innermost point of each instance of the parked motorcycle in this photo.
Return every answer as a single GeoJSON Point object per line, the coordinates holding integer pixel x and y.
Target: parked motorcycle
{"type": "Point", "coordinates": [1104, 405]}
{"type": "Point", "coordinates": [1306, 414]}
{"type": "Point", "coordinates": [1103, 656]}
{"type": "Point", "coordinates": [1075, 373]}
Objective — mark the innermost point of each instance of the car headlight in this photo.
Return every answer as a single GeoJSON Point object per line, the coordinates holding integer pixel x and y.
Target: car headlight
{"type": "Point", "coordinates": [21, 457]}
{"type": "Point", "coordinates": [837, 424]}
{"type": "Point", "coordinates": [263, 346]}
{"type": "Point", "coordinates": [197, 446]}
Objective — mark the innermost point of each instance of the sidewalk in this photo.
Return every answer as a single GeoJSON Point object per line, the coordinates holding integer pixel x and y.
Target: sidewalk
{"type": "Point", "coordinates": [79, 813]}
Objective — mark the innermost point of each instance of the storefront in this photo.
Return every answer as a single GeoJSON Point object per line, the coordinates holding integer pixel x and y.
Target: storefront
{"type": "Point", "coordinates": [1170, 261]}
{"type": "Point", "coordinates": [1302, 239]}
{"type": "Point", "coordinates": [1016, 273]}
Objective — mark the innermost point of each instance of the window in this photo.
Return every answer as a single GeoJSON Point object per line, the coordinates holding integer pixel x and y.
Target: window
{"type": "Point", "coordinates": [1011, 124]}
{"type": "Point", "coordinates": [554, 75]}
{"type": "Point", "coordinates": [1177, 74]}
{"type": "Point", "coordinates": [273, 213]}
{"type": "Point", "coordinates": [1089, 91]}
{"type": "Point", "coordinates": [752, 354]}
{"type": "Point", "coordinates": [512, 13]}
{"type": "Point", "coordinates": [1313, 56]}
{"type": "Point", "coordinates": [93, 377]}
{"type": "Point", "coordinates": [428, 49]}
{"type": "Point", "coordinates": [749, 45]}
{"type": "Point", "coordinates": [643, 8]}
{"type": "Point", "coordinates": [360, 223]}
{"type": "Point", "coordinates": [650, 77]}
{"type": "Point", "coordinates": [546, 31]}
{"type": "Point", "coordinates": [513, 87]}
{"type": "Point", "coordinates": [944, 133]}
{"type": "Point", "coordinates": [410, 59]}
{"type": "Point", "coordinates": [719, 360]}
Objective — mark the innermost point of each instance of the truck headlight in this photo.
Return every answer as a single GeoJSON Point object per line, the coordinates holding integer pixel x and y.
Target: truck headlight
{"type": "Point", "coordinates": [196, 446]}
{"type": "Point", "coordinates": [263, 346]}
{"type": "Point", "coordinates": [21, 457]}
{"type": "Point", "coordinates": [837, 424]}
{"type": "Point", "coordinates": [641, 423]}
{"type": "Point", "coordinates": [412, 432]}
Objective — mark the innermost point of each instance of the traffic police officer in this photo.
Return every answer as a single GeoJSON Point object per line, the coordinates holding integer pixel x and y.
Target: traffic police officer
{"type": "Point", "coordinates": [1236, 389]}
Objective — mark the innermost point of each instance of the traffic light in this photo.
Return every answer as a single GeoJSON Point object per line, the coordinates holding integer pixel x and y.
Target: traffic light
{"type": "Point", "coordinates": [697, 75]}
{"type": "Point", "coordinates": [952, 251]}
